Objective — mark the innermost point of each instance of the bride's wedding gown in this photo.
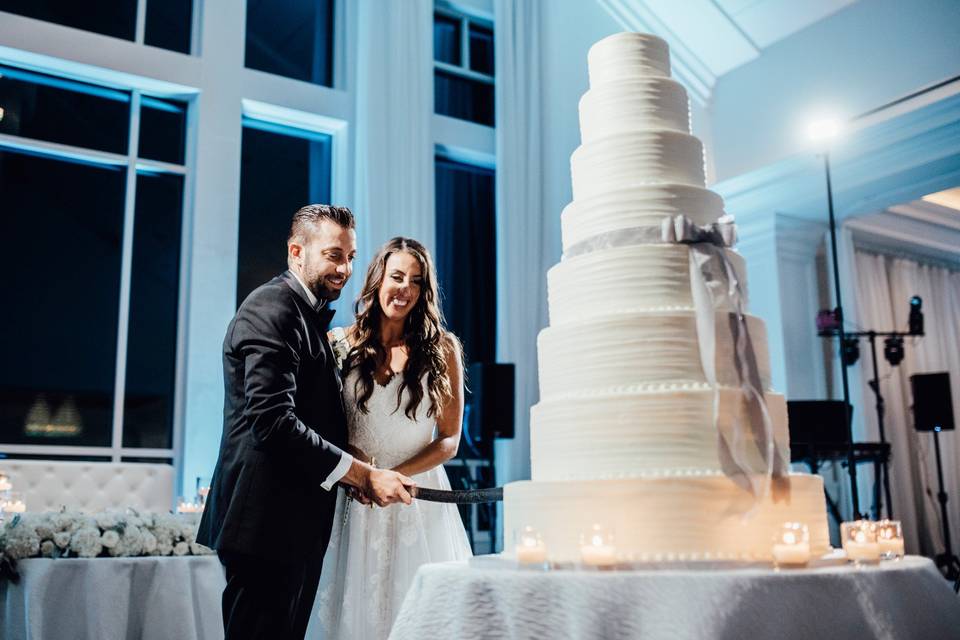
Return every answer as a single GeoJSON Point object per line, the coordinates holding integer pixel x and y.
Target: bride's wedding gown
{"type": "Point", "coordinates": [375, 552]}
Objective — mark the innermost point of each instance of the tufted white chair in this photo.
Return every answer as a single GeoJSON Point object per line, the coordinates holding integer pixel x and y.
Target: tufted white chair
{"type": "Point", "coordinates": [47, 485]}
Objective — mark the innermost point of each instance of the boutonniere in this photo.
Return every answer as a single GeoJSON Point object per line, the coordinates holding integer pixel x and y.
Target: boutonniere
{"type": "Point", "coordinates": [340, 346]}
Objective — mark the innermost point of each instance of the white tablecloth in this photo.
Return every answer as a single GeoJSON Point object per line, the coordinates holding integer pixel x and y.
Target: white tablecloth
{"type": "Point", "coordinates": [895, 600]}
{"type": "Point", "coordinates": [114, 598]}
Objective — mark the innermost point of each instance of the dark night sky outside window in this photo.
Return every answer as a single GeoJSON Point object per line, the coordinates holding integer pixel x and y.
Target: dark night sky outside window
{"type": "Point", "coordinates": [291, 38]}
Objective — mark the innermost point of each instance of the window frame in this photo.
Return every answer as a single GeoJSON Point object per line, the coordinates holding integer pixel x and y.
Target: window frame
{"type": "Point", "coordinates": [133, 164]}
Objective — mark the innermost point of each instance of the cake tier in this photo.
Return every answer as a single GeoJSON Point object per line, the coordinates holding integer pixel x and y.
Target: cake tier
{"type": "Point", "coordinates": [639, 348]}
{"type": "Point", "coordinates": [639, 206]}
{"type": "Point", "coordinates": [666, 519]}
{"type": "Point", "coordinates": [624, 56]}
{"type": "Point", "coordinates": [645, 431]}
{"type": "Point", "coordinates": [643, 277]}
{"type": "Point", "coordinates": [636, 159]}
{"type": "Point", "coordinates": [634, 105]}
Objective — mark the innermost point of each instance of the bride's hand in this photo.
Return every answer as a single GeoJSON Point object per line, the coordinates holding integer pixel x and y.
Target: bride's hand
{"type": "Point", "coordinates": [359, 496]}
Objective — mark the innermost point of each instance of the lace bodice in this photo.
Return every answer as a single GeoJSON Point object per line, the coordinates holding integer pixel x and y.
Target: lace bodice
{"type": "Point", "coordinates": [385, 432]}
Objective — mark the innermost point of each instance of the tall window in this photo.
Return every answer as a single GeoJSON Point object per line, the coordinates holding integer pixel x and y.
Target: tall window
{"type": "Point", "coordinates": [463, 66]}
{"type": "Point", "coordinates": [90, 236]}
{"type": "Point", "coordinates": [292, 38]}
{"type": "Point", "coordinates": [166, 23]}
{"type": "Point", "coordinates": [283, 168]}
{"type": "Point", "coordinates": [467, 254]}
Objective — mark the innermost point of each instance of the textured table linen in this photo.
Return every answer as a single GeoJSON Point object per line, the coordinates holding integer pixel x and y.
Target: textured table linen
{"type": "Point", "coordinates": [114, 598]}
{"type": "Point", "coordinates": [901, 600]}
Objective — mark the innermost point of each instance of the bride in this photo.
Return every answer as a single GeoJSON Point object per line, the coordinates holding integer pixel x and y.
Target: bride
{"type": "Point", "coordinates": [403, 396]}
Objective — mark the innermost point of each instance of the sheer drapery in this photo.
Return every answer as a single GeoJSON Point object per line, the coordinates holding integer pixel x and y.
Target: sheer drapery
{"type": "Point", "coordinates": [521, 274]}
{"type": "Point", "coordinates": [883, 287]}
{"type": "Point", "coordinates": [394, 144]}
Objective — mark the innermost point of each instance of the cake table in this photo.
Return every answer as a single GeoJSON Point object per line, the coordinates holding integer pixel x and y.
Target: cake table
{"type": "Point", "coordinates": [487, 597]}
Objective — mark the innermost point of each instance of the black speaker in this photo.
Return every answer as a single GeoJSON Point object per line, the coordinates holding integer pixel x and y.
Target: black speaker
{"type": "Point", "coordinates": [932, 403]}
{"type": "Point", "coordinates": [818, 422]}
{"type": "Point", "coordinates": [491, 401]}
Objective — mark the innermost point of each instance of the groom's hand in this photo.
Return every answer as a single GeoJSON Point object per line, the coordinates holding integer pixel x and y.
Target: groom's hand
{"type": "Point", "coordinates": [382, 486]}
{"type": "Point", "coordinates": [387, 487]}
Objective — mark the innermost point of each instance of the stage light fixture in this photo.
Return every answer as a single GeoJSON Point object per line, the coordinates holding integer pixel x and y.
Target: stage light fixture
{"type": "Point", "coordinates": [823, 130]}
{"type": "Point", "coordinates": [916, 316]}
{"type": "Point", "coordinates": [850, 351]}
{"type": "Point", "coordinates": [893, 350]}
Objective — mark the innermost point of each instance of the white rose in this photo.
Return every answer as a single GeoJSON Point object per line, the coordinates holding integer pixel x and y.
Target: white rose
{"type": "Point", "coordinates": [21, 541]}
{"type": "Point", "coordinates": [86, 542]}
{"type": "Point", "coordinates": [110, 538]}
{"type": "Point", "coordinates": [149, 543]}
{"type": "Point", "coordinates": [198, 549]}
{"type": "Point", "coordinates": [62, 539]}
{"type": "Point", "coordinates": [47, 548]}
{"type": "Point", "coordinates": [181, 549]}
{"type": "Point", "coordinates": [164, 548]}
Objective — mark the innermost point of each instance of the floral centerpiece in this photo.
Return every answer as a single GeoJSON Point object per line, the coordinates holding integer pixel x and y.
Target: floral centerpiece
{"type": "Point", "coordinates": [111, 533]}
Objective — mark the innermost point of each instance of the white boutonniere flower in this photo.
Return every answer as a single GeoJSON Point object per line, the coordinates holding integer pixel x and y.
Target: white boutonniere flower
{"type": "Point", "coordinates": [340, 346]}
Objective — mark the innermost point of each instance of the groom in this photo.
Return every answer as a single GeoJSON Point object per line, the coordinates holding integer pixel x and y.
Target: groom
{"type": "Point", "coordinates": [271, 503]}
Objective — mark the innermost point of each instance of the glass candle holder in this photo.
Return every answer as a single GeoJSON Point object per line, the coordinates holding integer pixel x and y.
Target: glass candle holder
{"type": "Point", "coordinates": [791, 545]}
{"type": "Point", "coordinates": [860, 541]}
{"type": "Point", "coordinates": [13, 503]}
{"type": "Point", "coordinates": [597, 548]}
{"type": "Point", "coordinates": [185, 506]}
{"type": "Point", "coordinates": [890, 539]}
{"type": "Point", "coordinates": [530, 549]}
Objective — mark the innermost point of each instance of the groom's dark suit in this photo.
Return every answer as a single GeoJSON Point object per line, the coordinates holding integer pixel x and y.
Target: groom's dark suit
{"type": "Point", "coordinates": [267, 514]}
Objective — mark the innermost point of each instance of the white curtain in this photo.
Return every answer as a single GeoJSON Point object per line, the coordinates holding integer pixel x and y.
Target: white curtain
{"type": "Point", "coordinates": [394, 154]}
{"type": "Point", "coordinates": [521, 234]}
{"type": "Point", "coordinates": [883, 287]}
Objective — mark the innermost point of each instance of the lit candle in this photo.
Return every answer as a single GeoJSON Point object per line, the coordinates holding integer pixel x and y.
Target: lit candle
{"type": "Point", "coordinates": [14, 506]}
{"type": "Point", "coordinates": [860, 541]}
{"type": "Point", "coordinates": [596, 548]}
{"type": "Point", "coordinates": [890, 539]}
{"type": "Point", "coordinates": [189, 507]}
{"type": "Point", "coordinates": [791, 544]}
{"type": "Point", "coordinates": [530, 549]}
{"type": "Point", "coordinates": [5, 484]}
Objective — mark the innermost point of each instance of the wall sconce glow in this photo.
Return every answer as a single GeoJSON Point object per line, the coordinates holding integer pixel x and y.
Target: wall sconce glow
{"type": "Point", "coordinates": [823, 130]}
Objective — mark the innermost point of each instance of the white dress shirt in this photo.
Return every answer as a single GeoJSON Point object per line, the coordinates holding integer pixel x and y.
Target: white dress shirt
{"type": "Point", "coordinates": [345, 458]}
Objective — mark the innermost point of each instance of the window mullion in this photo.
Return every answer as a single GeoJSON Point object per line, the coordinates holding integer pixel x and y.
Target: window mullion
{"type": "Point", "coordinates": [141, 24]}
{"type": "Point", "coordinates": [126, 274]}
{"type": "Point", "coordinates": [465, 42]}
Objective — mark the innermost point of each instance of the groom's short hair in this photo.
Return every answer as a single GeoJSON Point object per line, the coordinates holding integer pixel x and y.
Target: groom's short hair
{"type": "Point", "coordinates": [308, 216]}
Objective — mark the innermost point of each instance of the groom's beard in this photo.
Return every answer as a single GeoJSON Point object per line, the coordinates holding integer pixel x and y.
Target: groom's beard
{"type": "Point", "coordinates": [323, 291]}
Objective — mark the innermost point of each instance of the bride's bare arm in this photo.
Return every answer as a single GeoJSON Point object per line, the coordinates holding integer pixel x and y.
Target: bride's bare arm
{"type": "Point", "coordinates": [449, 420]}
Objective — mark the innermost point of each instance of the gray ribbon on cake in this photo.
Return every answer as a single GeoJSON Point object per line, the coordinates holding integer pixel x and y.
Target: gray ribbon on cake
{"type": "Point", "coordinates": [714, 283]}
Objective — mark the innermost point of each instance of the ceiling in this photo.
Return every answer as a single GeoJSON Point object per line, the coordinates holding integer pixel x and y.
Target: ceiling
{"type": "Point", "coordinates": [709, 38]}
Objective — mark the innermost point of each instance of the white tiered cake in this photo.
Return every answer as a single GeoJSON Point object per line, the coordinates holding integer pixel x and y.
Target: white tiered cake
{"type": "Point", "coordinates": [626, 433]}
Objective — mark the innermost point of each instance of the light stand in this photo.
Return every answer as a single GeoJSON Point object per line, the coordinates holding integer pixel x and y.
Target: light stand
{"type": "Point", "coordinates": [838, 313]}
{"type": "Point", "coordinates": [947, 562]}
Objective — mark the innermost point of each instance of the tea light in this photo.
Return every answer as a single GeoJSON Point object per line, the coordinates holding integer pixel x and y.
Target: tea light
{"type": "Point", "coordinates": [5, 484]}
{"type": "Point", "coordinates": [890, 539]}
{"type": "Point", "coordinates": [791, 544]}
{"type": "Point", "coordinates": [596, 548]}
{"type": "Point", "coordinates": [189, 507]}
{"type": "Point", "coordinates": [13, 504]}
{"type": "Point", "coordinates": [530, 549]}
{"type": "Point", "coordinates": [860, 541]}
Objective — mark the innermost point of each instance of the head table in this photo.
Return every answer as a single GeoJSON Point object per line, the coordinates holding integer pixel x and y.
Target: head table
{"type": "Point", "coordinates": [146, 597]}
{"type": "Point", "coordinates": [488, 597]}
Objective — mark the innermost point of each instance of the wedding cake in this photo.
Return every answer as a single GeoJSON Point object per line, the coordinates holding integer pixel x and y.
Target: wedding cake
{"type": "Point", "coordinates": [656, 417]}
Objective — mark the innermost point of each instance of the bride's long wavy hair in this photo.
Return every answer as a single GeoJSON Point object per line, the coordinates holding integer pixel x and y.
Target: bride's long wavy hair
{"type": "Point", "coordinates": [424, 334]}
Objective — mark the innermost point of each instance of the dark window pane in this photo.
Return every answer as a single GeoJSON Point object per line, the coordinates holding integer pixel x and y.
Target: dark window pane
{"type": "Point", "coordinates": [463, 98]}
{"type": "Point", "coordinates": [467, 255]}
{"type": "Point", "coordinates": [147, 460]}
{"type": "Point", "coordinates": [481, 49]}
{"type": "Point", "coordinates": [292, 38]}
{"type": "Point", "coordinates": [61, 299]}
{"type": "Point", "coordinates": [56, 110]}
{"type": "Point", "coordinates": [280, 173]}
{"type": "Point", "coordinates": [163, 125]}
{"type": "Point", "coordinates": [115, 18]}
{"type": "Point", "coordinates": [44, 456]}
{"type": "Point", "coordinates": [154, 296]}
{"type": "Point", "coordinates": [446, 39]}
{"type": "Point", "coordinates": [169, 24]}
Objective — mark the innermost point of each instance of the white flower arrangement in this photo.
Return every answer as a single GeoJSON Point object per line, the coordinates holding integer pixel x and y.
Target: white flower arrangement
{"type": "Point", "coordinates": [112, 533]}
